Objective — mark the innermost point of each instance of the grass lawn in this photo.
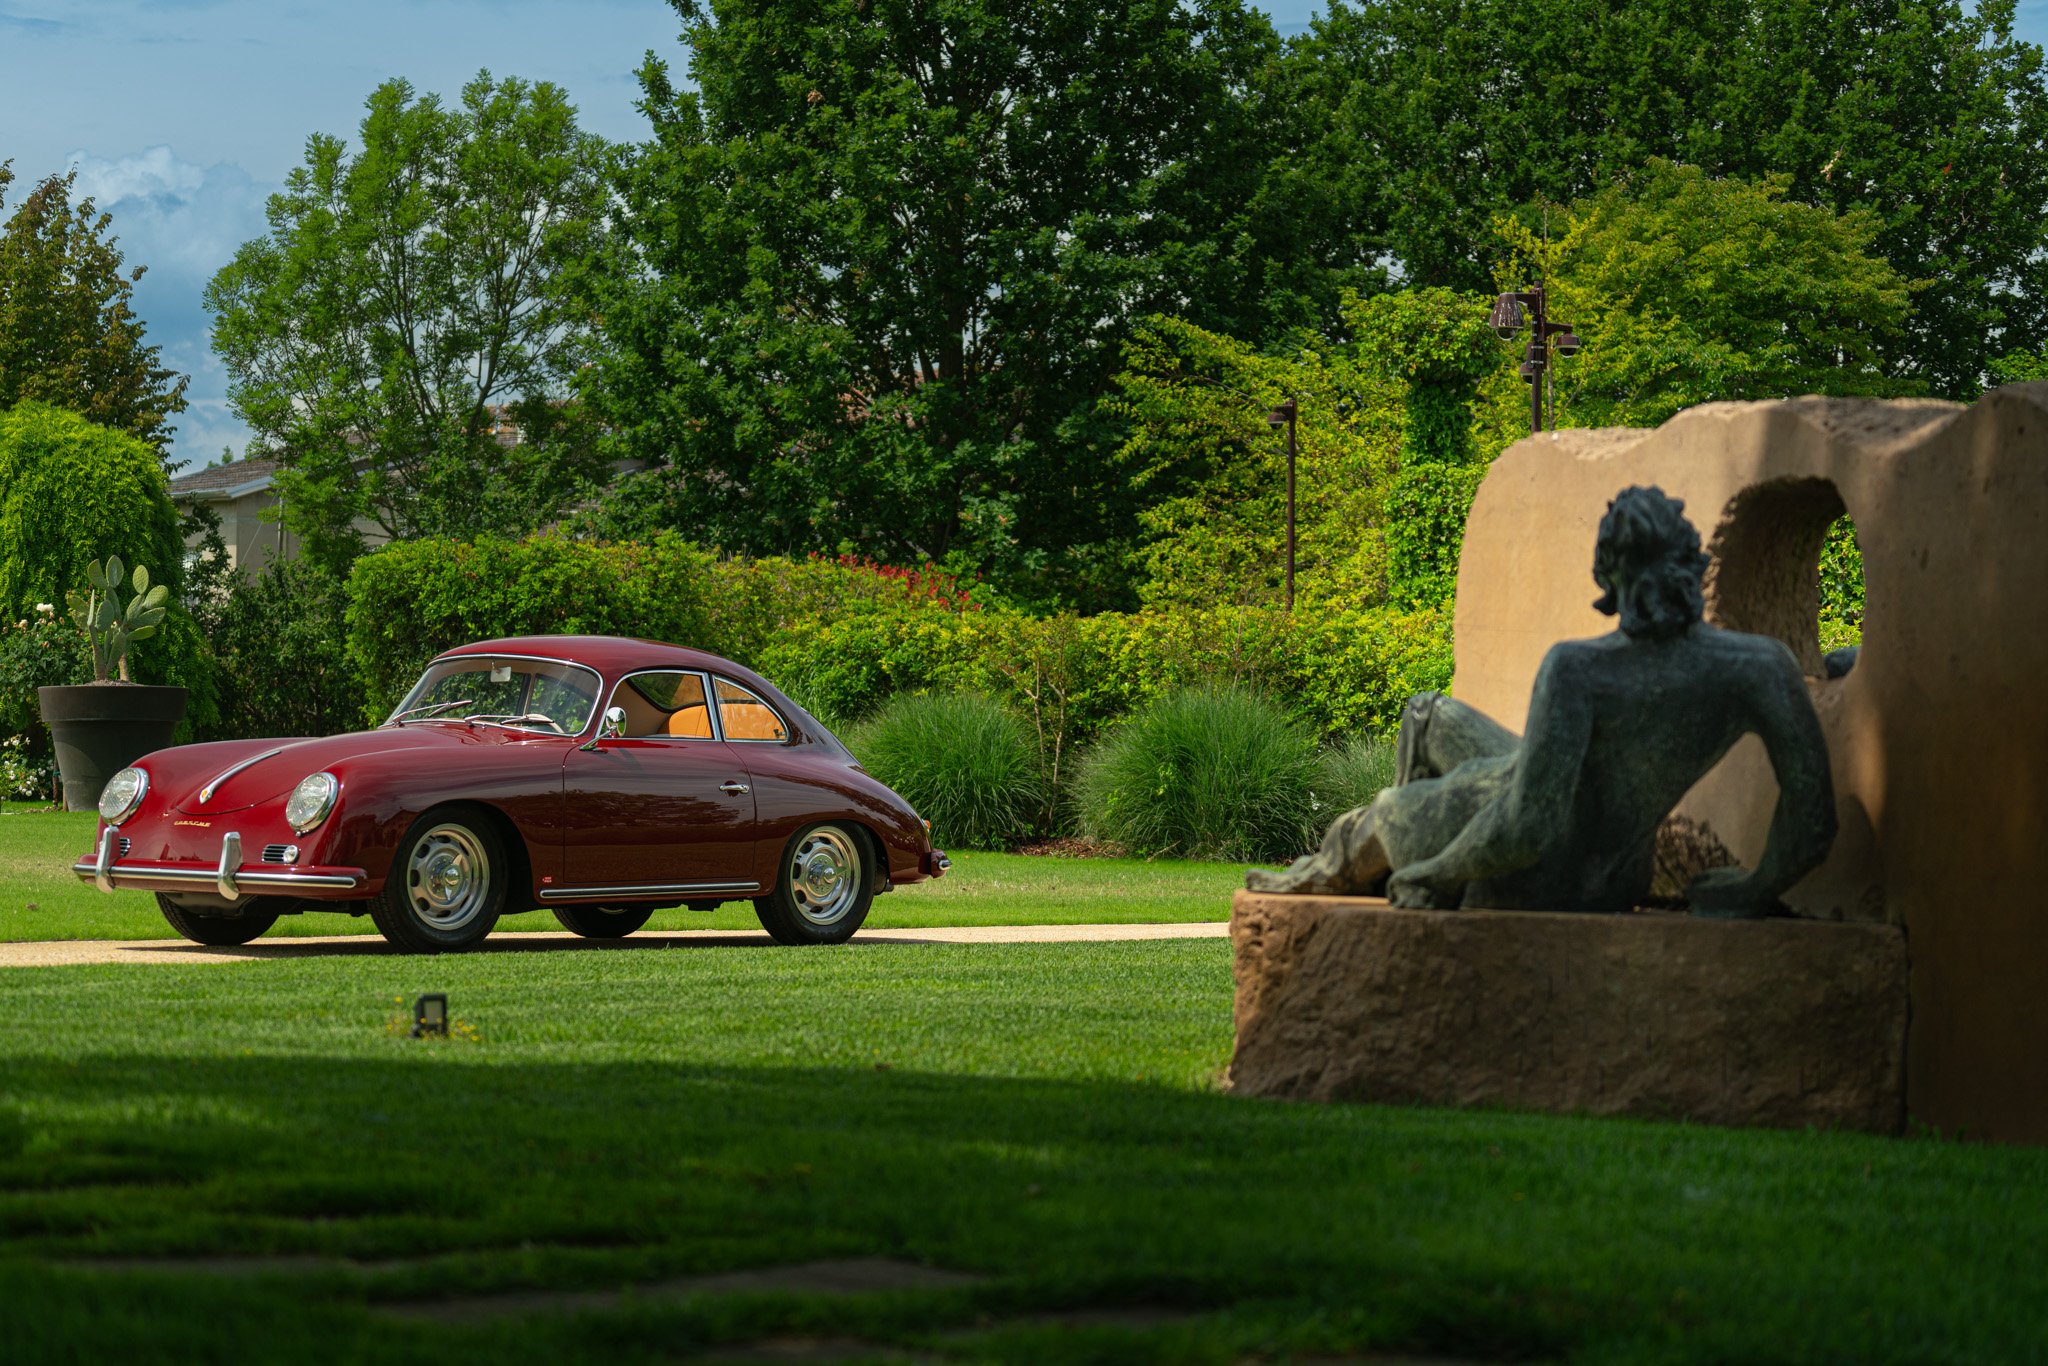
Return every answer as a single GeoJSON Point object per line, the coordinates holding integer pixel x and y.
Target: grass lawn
{"type": "Point", "coordinates": [1045, 1117]}
{"type": "Point", "coordinates": [40, 899]}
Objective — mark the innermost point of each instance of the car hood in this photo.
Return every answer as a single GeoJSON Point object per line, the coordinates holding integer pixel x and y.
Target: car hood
{"type": "Point", "coordinates": [250, 772]}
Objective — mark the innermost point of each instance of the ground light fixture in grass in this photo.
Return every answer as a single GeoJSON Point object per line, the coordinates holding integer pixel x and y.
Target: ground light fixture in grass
{"type": "Point", "coordinates": [962, 760]}
{"type": "Point", "coordinates": [239, 1162]}
{"type": "Point", "coordinates": [1204, 773]}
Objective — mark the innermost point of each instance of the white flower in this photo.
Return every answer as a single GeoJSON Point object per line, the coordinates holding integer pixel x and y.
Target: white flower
{"type": "Point", "coordinates": [46, 609]}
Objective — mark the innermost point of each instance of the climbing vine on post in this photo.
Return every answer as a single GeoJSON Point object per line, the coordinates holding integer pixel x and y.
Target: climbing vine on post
{"type": "Point", "coordinates": [1436, 343]}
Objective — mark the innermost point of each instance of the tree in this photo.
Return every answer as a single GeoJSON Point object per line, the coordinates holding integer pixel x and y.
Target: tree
{"type": "Point", "coordinates": [403, 293]}
{"type": "Point", "coordinates": [68, 332]}
{"type": "Point", "coordinates": [882, 257]}
{"type": "Point", "coordinates": [1214, 477]}
{"type": "Point", "coordinates": [1928, 114]}
{"type": "Point", "coordinates": [1687, 289]}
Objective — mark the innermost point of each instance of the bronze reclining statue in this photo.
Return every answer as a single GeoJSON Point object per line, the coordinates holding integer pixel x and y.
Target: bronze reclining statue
{"type": "Point", "coordinates": [1620, 728]}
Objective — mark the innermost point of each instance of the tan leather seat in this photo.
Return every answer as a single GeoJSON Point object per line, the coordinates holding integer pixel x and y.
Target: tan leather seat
{"type": "Point", "coordinates": [692, 722]}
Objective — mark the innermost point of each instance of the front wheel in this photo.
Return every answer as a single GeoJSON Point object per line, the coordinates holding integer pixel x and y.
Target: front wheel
{"type": "Point", "coordinates": [824, 890]}
{"type": "Point", "coordinates": [447, 884]}
{"type": "Point", "coordinates": [219, 931]}
{"type": "Point", "coordinates": [603, 922]}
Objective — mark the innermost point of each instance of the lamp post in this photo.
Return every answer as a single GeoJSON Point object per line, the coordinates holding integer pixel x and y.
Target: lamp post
{"type": "Point", "coordinates": [1509, 317]}
{"type": "Point", "coordinates": [1285, 416]}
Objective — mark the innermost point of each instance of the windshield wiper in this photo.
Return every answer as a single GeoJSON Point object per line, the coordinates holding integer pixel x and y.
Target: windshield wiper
{"type": "Point", "coordinates": [435, 707]}
{"type": "Point", "coordinates": [492, 718]}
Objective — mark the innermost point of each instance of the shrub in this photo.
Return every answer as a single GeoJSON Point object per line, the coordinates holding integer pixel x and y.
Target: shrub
{"type": "Point", "coordinates": [962, 760]}
{"type": "Point", "coordinates": [1203, 773]}
{"type": "Point", "coordinates": [279, 652]}
{"type": "Point", "coordinates": [72, 493]}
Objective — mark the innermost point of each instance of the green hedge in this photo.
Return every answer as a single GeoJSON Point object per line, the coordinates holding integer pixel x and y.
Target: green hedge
{"type": "Point", "coordinates": [843, 638]}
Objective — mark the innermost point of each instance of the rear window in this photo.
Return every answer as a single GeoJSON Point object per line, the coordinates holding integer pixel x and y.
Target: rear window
{"type": "Point", "coordinates": [747, 717]}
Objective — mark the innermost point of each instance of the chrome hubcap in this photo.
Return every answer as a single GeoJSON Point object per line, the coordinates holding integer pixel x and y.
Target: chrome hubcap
{"type": "Point", "coordinates": [824, 875]}
{"type": "Point", "coordinates": [448, 877]}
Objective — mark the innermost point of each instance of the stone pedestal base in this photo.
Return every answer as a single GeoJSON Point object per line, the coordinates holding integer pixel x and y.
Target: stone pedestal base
{"type": "Point", "coordinates": [1784, 1023]}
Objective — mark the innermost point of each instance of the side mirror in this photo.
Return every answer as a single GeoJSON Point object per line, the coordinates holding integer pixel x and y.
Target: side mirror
{"type": "Point", "coordinates": [613, 726]}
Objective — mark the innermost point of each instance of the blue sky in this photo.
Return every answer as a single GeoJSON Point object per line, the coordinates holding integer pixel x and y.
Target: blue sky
{"type": "Point", "coordinates": [182, 115]}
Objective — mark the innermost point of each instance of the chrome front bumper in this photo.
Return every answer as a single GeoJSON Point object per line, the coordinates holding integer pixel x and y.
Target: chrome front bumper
{"type": "Point", "coordinates": [227, 878]}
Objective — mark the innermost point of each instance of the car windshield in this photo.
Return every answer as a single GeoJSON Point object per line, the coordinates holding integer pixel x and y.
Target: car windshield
{"type": "Point", "coordinates": [524, 694]}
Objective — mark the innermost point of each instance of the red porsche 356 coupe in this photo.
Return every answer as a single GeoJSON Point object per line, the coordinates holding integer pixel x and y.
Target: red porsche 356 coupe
{"type": "Point", "coordinates": [598, 777]}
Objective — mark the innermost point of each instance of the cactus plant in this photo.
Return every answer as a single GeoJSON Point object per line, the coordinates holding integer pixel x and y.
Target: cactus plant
{"type": "Point", "coordinates": [112, 625]}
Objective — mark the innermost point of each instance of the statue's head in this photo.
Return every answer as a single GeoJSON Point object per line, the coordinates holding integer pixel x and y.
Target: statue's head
{"type": "Point", "coordinates": [1649, 562]}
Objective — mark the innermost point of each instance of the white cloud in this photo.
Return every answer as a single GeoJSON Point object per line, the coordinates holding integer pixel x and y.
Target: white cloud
{"type": "Point", "coordinates": [184, 222]}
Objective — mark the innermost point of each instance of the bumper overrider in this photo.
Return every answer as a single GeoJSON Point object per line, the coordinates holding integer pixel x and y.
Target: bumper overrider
{"type": "Point", "coordinates": [229, 878]}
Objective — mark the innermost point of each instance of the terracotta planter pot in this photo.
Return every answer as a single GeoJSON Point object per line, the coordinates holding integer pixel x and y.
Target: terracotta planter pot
{"type": "Point", "coordinates": [101, 728]}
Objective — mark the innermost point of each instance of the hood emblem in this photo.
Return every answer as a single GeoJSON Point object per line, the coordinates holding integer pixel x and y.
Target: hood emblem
{"type": "Point", "coordinates": [206, 793]}
{"type": "Point", "coordinates": [203, 825]}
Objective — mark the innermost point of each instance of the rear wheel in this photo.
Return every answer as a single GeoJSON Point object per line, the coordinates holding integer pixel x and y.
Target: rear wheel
{"type": "Point", "coordinates": [234, 925]}
{"type": "Point", "coordinates": [447, 884]}
{"type": "Point", "coordinates": [603, 922]}
{"type": "Point", "coordinates": [823, 892]}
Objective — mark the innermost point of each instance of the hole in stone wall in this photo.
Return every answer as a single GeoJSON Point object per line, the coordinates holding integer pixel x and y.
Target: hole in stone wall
{"type": "Point", "coordinates": [1785, 563]}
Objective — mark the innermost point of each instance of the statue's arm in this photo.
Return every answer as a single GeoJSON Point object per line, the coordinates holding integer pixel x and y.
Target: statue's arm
{"type": "Point", "coordinates": [1803, 826]}
{"type": "Point", "coordinates": [1513, 832]}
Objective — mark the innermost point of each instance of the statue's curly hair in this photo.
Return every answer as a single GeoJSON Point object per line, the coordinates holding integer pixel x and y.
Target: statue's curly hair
{"type": "Point", "coordinates": [1649, 563]}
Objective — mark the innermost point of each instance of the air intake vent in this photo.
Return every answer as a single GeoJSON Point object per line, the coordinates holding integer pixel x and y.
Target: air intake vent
{"type": "Point", "coordinates": [124, 846]}
{"type": "Point", "coordinates": [280, 853]}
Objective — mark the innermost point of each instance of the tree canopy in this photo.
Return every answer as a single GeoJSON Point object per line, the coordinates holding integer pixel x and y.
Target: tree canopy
{"type": "Point", "coordinates": [68, 330]}
{"type": "Point", "coordinates": [1928, 114]}
{"type": "Point", "coordinates": [410, 296]}
{"type": "Point", "coordinates": [883, 254]}
{"type": "Point", "coordinates": [1687, 289]}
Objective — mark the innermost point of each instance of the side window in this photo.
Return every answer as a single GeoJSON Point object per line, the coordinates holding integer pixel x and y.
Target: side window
{"type": "Point", "coordinates": [747, 717]}
{"type": "Point", "coordinates": [666, 704]}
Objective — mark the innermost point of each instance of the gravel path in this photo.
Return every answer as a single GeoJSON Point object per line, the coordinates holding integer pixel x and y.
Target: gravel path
{"type": "Point", "coordinates": [64, 952]}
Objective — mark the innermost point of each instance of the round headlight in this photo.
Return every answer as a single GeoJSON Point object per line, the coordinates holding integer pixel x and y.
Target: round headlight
{"type": "Point", "coordinates": [122, 794]}
{"type": "Point", "coordinates": [310, 801]}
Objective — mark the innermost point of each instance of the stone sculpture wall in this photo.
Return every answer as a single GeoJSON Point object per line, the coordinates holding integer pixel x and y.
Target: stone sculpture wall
{"type": "Point", "coordinates": [1939, 737]}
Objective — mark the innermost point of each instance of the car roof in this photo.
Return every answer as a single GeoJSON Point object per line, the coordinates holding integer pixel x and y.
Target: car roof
{"type": "Point", "coordinates": [614, 656]}
{"type": "Point", "coordinates": [607, 654]}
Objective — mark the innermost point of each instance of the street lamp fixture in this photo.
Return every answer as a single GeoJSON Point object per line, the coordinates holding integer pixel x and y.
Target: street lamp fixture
{"type": "Point", "coordinates": [1511, 312]}
{"type": "Point", "coordinates": [1286, 415]}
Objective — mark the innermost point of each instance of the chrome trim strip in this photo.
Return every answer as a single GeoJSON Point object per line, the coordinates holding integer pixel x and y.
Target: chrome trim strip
{"type": "Point", "coordinates": [100, 875]}
{"type": "Point", "coordinates": [644, 889]}
{"type": "Point", "coordinates": [230, 864]}
{"type": "Point", "coordinates": [206, 793]}
{"type": "Point", "coordinates": [138, 874]}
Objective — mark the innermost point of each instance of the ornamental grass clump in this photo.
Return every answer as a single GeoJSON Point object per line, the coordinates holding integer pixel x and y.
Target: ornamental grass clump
{"type": "Point", "coordinates": [1355, 770]}
{"type": "Point", "coordinates": [962, 760]}
{"type": "Point", "coordinates": [1207, 774]}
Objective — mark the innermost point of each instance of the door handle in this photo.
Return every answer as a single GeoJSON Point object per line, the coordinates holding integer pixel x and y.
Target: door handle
{"type": "Point", "coordinates": [732, 787]}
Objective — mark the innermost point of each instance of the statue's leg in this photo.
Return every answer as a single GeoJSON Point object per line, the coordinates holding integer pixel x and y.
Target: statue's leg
{"type": "Point", "coordinates": [1402, 825]}
{"type": "Point", "coordinates": [1438, 733]}
{"type": "Point", "coordinates": [1350, 862]}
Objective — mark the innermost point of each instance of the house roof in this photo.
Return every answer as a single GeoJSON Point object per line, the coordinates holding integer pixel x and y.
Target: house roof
{"type": "Point", "coordinates": [225, 481]}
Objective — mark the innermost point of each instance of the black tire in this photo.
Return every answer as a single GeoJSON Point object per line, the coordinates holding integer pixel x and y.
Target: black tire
{"type": "Point", "coordinates": [220, 931]}
{"type": "Point", "coordinates": [603, 922]}
{"type": "Point", "coordinates": [823, 887]}
{"type": "Point", "coordinates": [447, 884]}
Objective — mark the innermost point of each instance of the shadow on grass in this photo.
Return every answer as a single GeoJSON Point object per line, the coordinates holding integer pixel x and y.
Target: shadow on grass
{"type": "Point", "coordinates": [1286, 1228]}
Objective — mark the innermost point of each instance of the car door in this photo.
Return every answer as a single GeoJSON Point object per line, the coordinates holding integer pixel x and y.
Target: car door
{"type": "Point", "coordinates": [664, 806]}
